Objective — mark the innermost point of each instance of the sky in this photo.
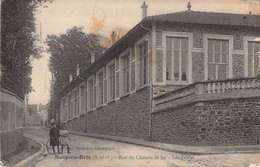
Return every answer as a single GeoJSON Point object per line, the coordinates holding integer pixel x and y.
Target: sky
{"type": "Point", "coordinates": [102, 16]}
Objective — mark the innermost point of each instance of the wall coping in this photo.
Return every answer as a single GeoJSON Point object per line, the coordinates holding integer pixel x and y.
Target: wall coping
{"type": "Point", "coordinates": [11, 93]}
{"type": "Point", "coordinates": [202, 82]}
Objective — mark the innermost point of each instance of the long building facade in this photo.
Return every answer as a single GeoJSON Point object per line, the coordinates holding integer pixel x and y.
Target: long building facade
{"type": "Point", "coordinates": [187, 78]}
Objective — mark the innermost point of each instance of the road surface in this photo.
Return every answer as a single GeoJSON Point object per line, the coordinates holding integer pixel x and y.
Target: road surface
{"type": "Point", "coordinates": [92, 152]}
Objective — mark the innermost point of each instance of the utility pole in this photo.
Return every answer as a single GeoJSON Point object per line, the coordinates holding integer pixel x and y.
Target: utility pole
{"type": "Point", "coordinates": [52, 85]}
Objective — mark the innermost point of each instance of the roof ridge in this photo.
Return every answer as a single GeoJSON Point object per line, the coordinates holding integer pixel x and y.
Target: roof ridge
{"type": "Point", "coordinates": [167, 14]}
{"type": "Point", "coordinates": [186, 11]}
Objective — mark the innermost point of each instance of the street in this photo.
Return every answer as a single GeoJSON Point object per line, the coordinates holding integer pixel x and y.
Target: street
{"type": "Point", "coordinates": [92, 152]}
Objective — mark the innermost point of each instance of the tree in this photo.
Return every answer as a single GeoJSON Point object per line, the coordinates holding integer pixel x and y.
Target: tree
{"type": "Point", "coordinates": [69, 50]}
{"type": "Point", "coordinates": [18, 46]}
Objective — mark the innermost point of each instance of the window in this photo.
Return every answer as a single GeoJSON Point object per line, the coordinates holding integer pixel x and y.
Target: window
{"type": "Point", "coordinates": [82, 98]}
{"type": "Point", "coordinates": [76, 104]}
{"type": "Point", "coordinates": [125, 73]}
{"type": "Point", "coordinates": [143, 63]}
{"type": "Point", "coordinates": [217, 59]}
{"type": "Point", "coordinates": [70, 106]}
{"type": "Point", "coordinates": [253, 58]}
{"type": "Point", "coordinates": [90, 94]}
{"type": "Point", "coordinates": [176, 59]}
{"type": "Point", "coordinates": [66, 108]}
{"type": "Point", "coordinates": [100, 88]}
{"type": "Point", "coordinates": [111, 82]}
{"type": "Point", "coordinates": [63, 109]}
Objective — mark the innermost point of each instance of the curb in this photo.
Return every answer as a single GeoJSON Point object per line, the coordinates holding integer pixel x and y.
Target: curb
{"type": "Point", "coordinates": [143, 144]}
{"type": "Point", "coordinates": [204, 150]}
{"type": "Point", "coordinates": [191, 151]}
{"type": "Point", "coordinates": [31, 158]}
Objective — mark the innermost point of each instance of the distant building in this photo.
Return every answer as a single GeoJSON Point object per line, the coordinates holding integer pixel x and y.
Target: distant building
{"type": "Point", "coordinates": [33, 107]}
{"type": "Point", "coordinates": [35, 117]}
{"type": "Point", "coordinates": [43, 113]}
{"type": "Point", "coordinates": [181, 78]}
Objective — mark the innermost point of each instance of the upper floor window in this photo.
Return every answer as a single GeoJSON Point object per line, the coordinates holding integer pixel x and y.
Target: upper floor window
{"type": "Point", "coordinates": [143, 63]}
{"type": "Point", "coordinates": [217, 59]}
{"type": "Point", "coordinates": [253, 58]}
{"type": "Point", "coordinates": [176, 59]}
{"type": "Point", "coordinates": [100, 88]}
{"type": "Point", "coordinates": [111, 82]}
{"type": "Point", "coordinates": [125, 73]}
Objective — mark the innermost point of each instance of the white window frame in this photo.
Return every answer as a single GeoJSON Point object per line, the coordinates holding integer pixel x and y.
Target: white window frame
{"type": "Point", "coordinates": [89, 108]}
{"type": "Point", "coordinates": [121, 75]}
{"type": "Point", "coordinates": [97, 87]}
{"type": "Point", "coordinates": [189, 59]}
{"type": "Point", "coordinates": [137, 61]}
{"type": "Point", "coordinates": [246, 40]}
{"type": "Point", "coordinates": [229, 38]}
{"type": "Point", "coordinates": [111, 63]}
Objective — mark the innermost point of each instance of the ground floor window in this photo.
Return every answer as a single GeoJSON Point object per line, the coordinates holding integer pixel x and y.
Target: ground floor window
{"type": "Point", "coordinates": [143, 63]}
{"type": "Point", "coordinates": [100, 88]}
{"type": "Point", "coordinates": [111, 82]}
{"type": "Point", "coordinates": [253, 58]}
{"type": "Point", "coordinates": [90, 94]}
{"type": "Point", "coordinates": [125, 73]}
{"type": "Point", "coordinates": [176, 59]}
{"type": "Point", "coordinates": [217, 59]}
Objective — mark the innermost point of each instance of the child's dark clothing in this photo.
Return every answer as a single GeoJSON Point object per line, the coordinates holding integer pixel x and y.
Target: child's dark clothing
{"type": "Point", "coordinates": [54, 135]}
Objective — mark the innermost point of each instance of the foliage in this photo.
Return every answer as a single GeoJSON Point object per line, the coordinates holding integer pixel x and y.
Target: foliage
{"type": "Point", "coordinates": [18, 46]}
{"type": "Point", "coordinates": [69, 49]}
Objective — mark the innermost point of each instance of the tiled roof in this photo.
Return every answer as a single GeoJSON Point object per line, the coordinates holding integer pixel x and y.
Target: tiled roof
{"type": "Point", "coordinates": [208, 18]}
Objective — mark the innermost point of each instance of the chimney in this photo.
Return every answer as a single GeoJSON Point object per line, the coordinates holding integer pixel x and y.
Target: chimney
{"type": "Point", "coordinates": [77, 69]}
{"type": "Point", "coordinates": [70, 77]}
{"type": "Point", "coordinates": [144, 10]}
{"type": "Point", "coordinates": [113, 37]}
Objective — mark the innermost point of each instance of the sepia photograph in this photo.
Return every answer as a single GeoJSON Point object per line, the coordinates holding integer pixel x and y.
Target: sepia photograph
{"type": "Point", "coordinates": [130, 83]}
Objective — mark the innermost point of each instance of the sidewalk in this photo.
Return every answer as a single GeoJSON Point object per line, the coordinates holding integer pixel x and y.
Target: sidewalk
{"type": "Point", "coordinates": [195, 150]}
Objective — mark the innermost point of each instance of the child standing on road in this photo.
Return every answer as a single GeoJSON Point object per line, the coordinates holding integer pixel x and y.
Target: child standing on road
{"type": "Point", "coordinates": [54, 135]}
{"type": "Point", "coordinates": [63, 138]}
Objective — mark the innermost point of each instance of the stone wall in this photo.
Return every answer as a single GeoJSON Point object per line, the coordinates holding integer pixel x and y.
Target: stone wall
{"type": "Point", "coordinates": [229, 122]}
{"type": "Point", "coordinates": [77, 124]}
{"type": "Point", "coordinates": [128, 117]}
{"type": "Point", "coordinates": [197, 67]}
{"type": "Point", "coordinates": [11, 111]}
{"type": "Point", "coordinates": [238, 65]}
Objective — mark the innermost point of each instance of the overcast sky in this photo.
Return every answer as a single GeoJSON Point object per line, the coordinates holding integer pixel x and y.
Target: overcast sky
{"type": "Point", "coordinates": [102, 16]}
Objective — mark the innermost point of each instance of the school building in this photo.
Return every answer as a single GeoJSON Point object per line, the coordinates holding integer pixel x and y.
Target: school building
{"type": "Point", "coordinates": [188, 78]}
